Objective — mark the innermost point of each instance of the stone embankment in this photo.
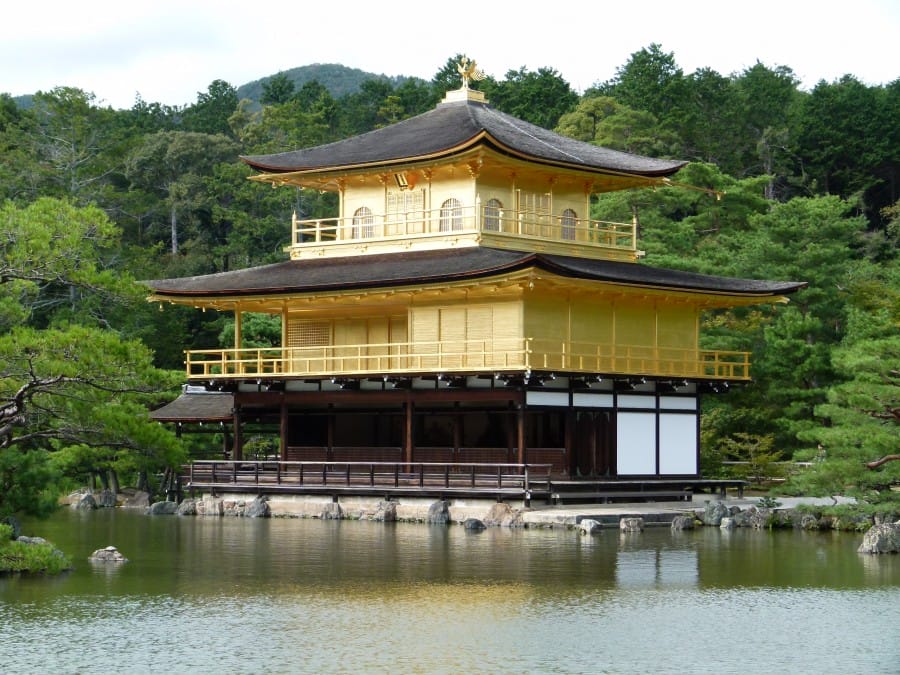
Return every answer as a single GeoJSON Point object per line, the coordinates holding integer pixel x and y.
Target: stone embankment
{"type": "Point", "coordinates": [882, 530]}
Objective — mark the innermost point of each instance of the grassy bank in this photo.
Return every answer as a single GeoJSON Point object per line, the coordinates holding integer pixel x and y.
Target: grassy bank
{"type": "Point", "coordinates": [30, 557]}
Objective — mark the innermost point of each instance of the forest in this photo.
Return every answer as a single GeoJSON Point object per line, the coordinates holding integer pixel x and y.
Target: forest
{"type": "Point", "coordinates": [94, 199]}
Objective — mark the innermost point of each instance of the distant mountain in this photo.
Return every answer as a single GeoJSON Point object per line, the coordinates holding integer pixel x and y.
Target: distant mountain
{"type": "Point", "coordinates": [337, 79]}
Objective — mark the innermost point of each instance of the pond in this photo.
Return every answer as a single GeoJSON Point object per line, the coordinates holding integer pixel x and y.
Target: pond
{"type": "Point", "coordinates": [295, 596]}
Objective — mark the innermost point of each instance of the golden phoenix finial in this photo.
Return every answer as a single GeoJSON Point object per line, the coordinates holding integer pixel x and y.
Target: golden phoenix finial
{"type": "Point", "coordinates": [469, 71]}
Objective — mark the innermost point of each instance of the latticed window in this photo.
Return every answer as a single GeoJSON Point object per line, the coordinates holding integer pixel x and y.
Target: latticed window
{"type": "Point", "coordinates": [451, 215]}
{"type": "Point", "coordinates": [363, 223]}
{"type": "Point", "coordinates": [567, 223]}
{"type": "Point", "coordinates": [492, 215]}
{"type": "Point", "coordinates": [308, 333]}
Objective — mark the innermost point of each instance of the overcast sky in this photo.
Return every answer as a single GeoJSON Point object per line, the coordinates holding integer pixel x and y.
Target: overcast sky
{"type": "Point", "coordinates": [169, 50]}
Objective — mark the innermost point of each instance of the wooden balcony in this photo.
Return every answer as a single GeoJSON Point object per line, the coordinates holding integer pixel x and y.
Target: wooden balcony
{"type": "Point", "coordinates": [465, 357]}
{"type": "Point", "coordinates": [428, 229]}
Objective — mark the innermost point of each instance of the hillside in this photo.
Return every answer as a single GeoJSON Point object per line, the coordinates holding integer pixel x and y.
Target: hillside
{"type": "Point", "coordinates": [337, 79]}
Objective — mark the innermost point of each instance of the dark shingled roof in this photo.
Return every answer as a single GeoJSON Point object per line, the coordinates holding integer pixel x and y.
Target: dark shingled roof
{"type": "Point", "coordinates": [197, 407]}
{"type": "Point", "coordinates": [451, 126]}
{"type": "Point", "coordinates": [442, 266]}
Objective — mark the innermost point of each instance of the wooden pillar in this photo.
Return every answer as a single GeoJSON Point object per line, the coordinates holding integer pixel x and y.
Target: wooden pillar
{"type": "Point", "coordinates": [237, 450]}
{"type": "Point", "coordinates": [408, 434]}
{"type": "Point", "coordinates": [571, 434]}
{"type": "Point", "coordinates": [283, 429]}
{"type": "Point", "coordinates": [520, 432]}
{"type": "Point", "coordinates": [457, 432]}
{"type": "Point", "coordinates": [329, 451]}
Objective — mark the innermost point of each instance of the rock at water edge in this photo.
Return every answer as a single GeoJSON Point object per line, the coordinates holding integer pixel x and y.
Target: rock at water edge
{"type": "Point", "coordinates": [884, 538]}
{"type": "Point", "coordinates": [631, 524]}
{"type": "Point", "coordinates": [438, 513]}
{"type": "Point", "coordinates": [162, 509]}
{"type": "Point", "coordinates": [589, 526]}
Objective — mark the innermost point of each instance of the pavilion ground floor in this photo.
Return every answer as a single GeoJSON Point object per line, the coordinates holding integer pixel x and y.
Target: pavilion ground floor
{"type": "Point", "coordinates": [560, 441]}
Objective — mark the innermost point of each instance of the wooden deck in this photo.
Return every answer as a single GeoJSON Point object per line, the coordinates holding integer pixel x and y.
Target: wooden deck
{"type": "Point", "coordinates": [500, 481]}
{"type": "Point", "coordinates": [638, 490]}
{"type": "Point", "coordinates": [436, 479]}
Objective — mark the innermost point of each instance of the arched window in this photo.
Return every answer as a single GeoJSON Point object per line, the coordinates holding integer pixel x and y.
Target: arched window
{"type": "Point", "coordinates": [492, 215]}
{"type": "Point", "coordinates": [363, 223]}
{"type": "Point", "coordinates": [567, 223]}
{"type": "Point", "coordinates": [451, 215]}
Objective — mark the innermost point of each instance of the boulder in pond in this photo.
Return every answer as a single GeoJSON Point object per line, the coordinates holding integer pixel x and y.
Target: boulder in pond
{"type": "Point", "coordinates": [714, 512]}
{"type": "Point", "coordinates": [108, 554]}
{"type": "Point", "coordinates": [473, 525]}
{"type": "Point", "coordinates": [385, 512]}
{"type": "Point", "coordinates": [438, 513]}
{"type": "Point", "coordinates": [589, 526]}
{"type": "Point", "coordinates": [162, 509]}
{"type": "Point", "coordinates": [257, 508]}
{"type": "Point", "coordinates": [187, 507]}
{"type": "Point", "coordinates": [682, 523]}
{"type": "Point", "coordinates": [884, 538]}
{"type": "Point", "coordinates": [631, 524]}
{"type": "Point", "coordinates": [85, 503]}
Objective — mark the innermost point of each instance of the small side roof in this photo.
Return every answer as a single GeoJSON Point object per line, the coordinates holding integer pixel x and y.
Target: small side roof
{"type": "Point", "coordinates": [456, 126]}
{"type": "Point", "coordinates": [192, 407]}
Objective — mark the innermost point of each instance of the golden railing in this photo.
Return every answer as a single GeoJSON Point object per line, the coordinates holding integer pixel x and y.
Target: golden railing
{"type": "Point", "coordinates": [534, 225]}
{"type": "Point", "coordinates": [466, 356]}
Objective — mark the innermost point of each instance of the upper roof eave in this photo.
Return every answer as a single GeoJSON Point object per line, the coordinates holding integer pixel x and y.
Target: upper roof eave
{"type": "Point", "coordinates": [453, 127]}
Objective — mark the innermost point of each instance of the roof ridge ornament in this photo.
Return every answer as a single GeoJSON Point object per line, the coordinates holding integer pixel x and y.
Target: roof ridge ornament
{"type": "Point", "coordinates": [469, 71]}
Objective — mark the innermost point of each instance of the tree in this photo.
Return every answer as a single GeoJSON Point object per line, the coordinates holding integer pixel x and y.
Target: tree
{"type": "Point", "coordinates": [541, 97]}
{"type": "Point", "coordinates": [68, 385]}
{"type": "Point", "coordinates": [209, 115]}
{"type": "Point", "coordinates": [862, 413]}
{"type": "Point", "coordinates": [848, 141]}
{"type": "Point", "coordinates": [171, 164]}
{"type": "Point", "coordinates": [650, 80]}
{"type": "Point", "coordinates": [768, 98]}
{"type": "Point", "coordinates": [277, 89]}
{"type": "Point", "coordinates": [78, 145]}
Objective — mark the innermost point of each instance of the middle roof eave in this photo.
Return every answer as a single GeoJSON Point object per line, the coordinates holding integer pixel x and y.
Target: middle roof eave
{"type": "Point", "coordinates": [448, 265]}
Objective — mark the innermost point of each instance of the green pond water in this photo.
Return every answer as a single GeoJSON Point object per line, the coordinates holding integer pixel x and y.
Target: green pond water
{"type": "Point", "coordinates": [231, 595]}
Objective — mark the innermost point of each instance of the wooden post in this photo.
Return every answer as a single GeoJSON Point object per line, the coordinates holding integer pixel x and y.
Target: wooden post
{"type": "Point", "coordinates": [283, 431]}
{"type": "Point", "coordinates": [520, 426]}
{"type": "Point", "coordinates": [408, 435]}
{"type": "Point", "coordinates": [237, 450]}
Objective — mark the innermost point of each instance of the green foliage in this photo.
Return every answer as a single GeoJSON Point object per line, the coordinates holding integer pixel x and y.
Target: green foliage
{"type": "Point", "coordinates": [16, 556]}
{"type": "Point", "coordinates": [757, 456]}
{"type": "Point", "coordinates": [66, 379]}
{"type": "Point", "coordinates": [257, 330]}
{"type": "Point", "coordinates": [541, 97]}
